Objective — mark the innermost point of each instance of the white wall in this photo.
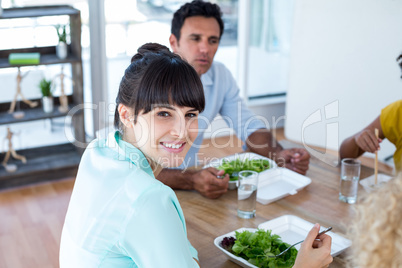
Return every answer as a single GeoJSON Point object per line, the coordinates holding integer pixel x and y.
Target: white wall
{"type": "Point", "coordinates": [342, 68]}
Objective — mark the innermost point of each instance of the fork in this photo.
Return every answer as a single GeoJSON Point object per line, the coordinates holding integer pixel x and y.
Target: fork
{"type": "Point", "coordinates": [283, 252]}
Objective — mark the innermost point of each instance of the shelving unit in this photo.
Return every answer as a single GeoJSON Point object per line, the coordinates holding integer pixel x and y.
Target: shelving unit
{"type": "Point", "coordinates": [49, 162]}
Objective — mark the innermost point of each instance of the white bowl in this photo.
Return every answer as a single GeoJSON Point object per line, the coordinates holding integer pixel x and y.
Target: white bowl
{"type": "Point", "coordinates": [291, 229]}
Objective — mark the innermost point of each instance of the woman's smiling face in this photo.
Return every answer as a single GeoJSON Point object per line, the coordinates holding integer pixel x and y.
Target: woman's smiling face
{"type": "Point", "coordinates": [165, 134]}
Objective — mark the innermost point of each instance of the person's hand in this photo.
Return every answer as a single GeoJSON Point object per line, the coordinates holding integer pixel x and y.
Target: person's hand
{"type": "Point", "coordinates": [314, 253]}
{"type": "Point", "coordinates": [206, 182]}
{"type": "Point", "coordinates": [367, 141]}
{"type": "Point", "coordinates": [296, 159]}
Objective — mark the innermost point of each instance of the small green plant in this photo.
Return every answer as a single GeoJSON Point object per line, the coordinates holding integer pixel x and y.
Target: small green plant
{"type": "Point", "coordinates": [61, 32]}
{"type": "Point", "coordinates": [46, 87]}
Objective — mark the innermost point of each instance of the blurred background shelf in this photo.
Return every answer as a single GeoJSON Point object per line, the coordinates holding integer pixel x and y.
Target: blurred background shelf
{"type": "Point", "coordinates": [47, 56]}
{"type": "Point", "coordinates": [38, 11]}
{"type": "Point", "coordinates": [43, 164]}
{"type": "Point", "coordinates": [50, 161]}
{"type": "Point", "coordinates": [32, 114]}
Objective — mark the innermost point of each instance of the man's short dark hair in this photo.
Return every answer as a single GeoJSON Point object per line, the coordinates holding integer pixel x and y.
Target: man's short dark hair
{"type": "Point", "coordinates": [195, 8]}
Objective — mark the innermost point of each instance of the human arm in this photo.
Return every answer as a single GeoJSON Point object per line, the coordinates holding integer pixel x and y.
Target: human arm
{"type": "Point", "coordinates": [252, 129]}
{"type": "Point", "coordinates": [204, 181]}
{"type": "Point", "coordinates": [264, 143]}
{"type": "Point", "coordinates": [314, 253]}
{"type": "Point", "coordinates": [155, 233]}
{"type": "Point", "coordinates": [363, 141]}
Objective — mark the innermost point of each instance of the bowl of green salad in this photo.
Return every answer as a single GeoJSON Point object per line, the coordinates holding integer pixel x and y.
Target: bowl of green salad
{"type": "Point", "coordinates": [252, 248]}
{"type": "Point", "coordinates": [233, 164]}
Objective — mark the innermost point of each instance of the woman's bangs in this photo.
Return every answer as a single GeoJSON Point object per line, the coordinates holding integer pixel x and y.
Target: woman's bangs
{"type": "Point", "coordinates": [171, 84]}
{"type": "Point", "coordinates": [187, 91]}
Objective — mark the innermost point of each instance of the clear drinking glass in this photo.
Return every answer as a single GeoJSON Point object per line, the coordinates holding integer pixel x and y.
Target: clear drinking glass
{"type": "Point", "coordinates": [247, 194]}
{"type": "Point", "coordinates": [350, 174]}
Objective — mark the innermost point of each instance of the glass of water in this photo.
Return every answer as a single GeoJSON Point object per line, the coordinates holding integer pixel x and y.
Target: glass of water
{"type": "Point", "coordinates": [350, 174]}
{"type": "Point", "coordinates": [247, 194]}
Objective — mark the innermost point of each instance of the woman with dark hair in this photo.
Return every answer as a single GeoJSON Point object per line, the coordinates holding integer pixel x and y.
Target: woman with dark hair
{"type": "Point", "coordinates": [119, 215]}
{"type": "Point", "coordinates": [389, 125]}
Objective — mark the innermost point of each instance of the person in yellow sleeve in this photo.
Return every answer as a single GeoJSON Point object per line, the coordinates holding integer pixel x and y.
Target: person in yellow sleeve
{"type": "Point", "coordinates": [389, 124]}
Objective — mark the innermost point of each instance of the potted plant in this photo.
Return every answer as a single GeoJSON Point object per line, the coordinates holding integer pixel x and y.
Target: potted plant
{"type": "Point", "coordinates": [47, 97]}
{"type": "Point", "coordinates": [61, 48]}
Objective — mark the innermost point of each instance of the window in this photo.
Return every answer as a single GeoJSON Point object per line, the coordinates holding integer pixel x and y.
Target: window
{"type": "Point", "coordinates": [269, 45]}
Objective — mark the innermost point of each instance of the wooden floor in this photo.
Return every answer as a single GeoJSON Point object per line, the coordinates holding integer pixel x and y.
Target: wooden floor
{"type": "Point", "coordinates": [31, 218]}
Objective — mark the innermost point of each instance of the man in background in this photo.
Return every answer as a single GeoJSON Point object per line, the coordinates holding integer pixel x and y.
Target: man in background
{"type": "Point", "coordinates": [196, 31]}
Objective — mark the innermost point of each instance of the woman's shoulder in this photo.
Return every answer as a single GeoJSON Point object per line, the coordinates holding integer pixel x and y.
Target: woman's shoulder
{"type": "Point", "coordinates": [140, 185]}
{"type": "Point", "coordinates": [102, 165]}
{"type": "Point", "coordinates": [115, 168]}
{"type": "Point", "coordinates": [98, 155]}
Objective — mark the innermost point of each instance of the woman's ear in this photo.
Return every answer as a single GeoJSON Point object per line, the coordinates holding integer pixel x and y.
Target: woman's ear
{"type": "Point", "coordinates": [126, 116]}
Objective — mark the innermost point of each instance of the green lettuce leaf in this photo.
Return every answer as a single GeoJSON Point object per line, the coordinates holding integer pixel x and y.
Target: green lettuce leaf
{"type": "Point", "coordinates": [258, 246]}
{"type": "Point", "coordinates": [235, 166]}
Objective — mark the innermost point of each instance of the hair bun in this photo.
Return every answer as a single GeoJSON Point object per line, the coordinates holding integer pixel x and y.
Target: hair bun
{"type": "Point", "coordinates": [152, 47]}
{"type": "Point", "coordinates": [149, 48]}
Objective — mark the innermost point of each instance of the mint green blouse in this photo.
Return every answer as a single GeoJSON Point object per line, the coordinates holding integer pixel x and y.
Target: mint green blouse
{"type": "Point", "coordinates": [120, 215]}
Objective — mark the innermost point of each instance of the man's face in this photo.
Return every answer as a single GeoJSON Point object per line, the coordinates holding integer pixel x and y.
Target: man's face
{"type": "Point", "coordinates": [199, 41]}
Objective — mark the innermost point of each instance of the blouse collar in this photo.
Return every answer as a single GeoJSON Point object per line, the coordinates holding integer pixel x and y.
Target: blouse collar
{"type": "Point", "coordinates": [128, 152]}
